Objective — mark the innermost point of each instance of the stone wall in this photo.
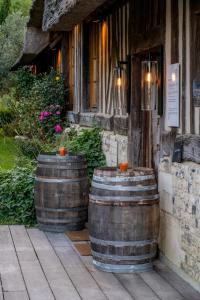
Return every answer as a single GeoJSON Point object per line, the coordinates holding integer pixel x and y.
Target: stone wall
{"type": "Point", "coordinates": [179, 187]}
{"type": "Point", "coordinates": [115, 148]}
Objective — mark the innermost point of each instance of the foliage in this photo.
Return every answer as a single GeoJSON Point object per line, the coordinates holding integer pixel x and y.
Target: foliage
{"type": "Point", "coordinates": [29, 148]}
{"type": "Point", "coordinates": [4, 10]}
{"type": "Point", "coordinates": [17, 197]}
{"type": "Point", "coordinates": [20, 5]}
{"type": "Point", "coordinates": [89, 143]}
{"type": "Point", "coordinates": [7, 153]}
{"type": "Point", "coordinates": [40, 104]}
{"type": "Point", "coordinates": [11, 41]}
{"type": "Point", "coordinates": [6, 117]}
{"type": "Point", "coordinates": [24, 81]}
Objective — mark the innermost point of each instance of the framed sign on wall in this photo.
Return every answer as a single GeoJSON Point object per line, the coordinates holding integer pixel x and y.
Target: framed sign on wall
{"type": "Point", "coordinates": [173, 95]}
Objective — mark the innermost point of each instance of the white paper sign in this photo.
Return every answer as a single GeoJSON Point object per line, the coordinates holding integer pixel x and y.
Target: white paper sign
{"type": "Point", "coordinates": [173, 95]}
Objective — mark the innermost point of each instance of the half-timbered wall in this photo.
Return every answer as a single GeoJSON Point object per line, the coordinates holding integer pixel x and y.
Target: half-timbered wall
{"type": "Point", "coordinates": [108, 44]}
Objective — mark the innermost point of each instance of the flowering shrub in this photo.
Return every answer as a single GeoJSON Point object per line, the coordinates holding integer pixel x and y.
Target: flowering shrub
{"type": "Point", "coordinates": [41, 112]}
{"type": "Point", "coordinates": [50, 120]}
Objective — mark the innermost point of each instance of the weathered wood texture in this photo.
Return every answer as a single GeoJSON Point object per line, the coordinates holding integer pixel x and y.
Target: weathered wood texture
{"type": "Point", "coordinates": [187, 148]}
{"type": "Point", "coordinates": [39, 266]}
{"type": "Point", "coordinates": [104, 45]}
{"type": "Point", "coordinates": [61, 192]}
{"type": "Point", "coordinates": [144, 37]}
{"type": "Point", "coordinates": [195, 60]}
{"type": "Point", "coordinates": [126, 207]}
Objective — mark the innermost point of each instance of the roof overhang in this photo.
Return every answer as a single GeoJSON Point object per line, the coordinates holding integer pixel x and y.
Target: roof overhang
{"type": "Point", "coordinates": [35, 42]}
{"type": "Point", "coordinates": [65, 15]}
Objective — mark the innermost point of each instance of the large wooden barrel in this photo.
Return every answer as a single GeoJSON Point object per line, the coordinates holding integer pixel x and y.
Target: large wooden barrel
{"type": "Point", "coordinates": [61, 192]}
{"type": "Point", "coordinates": [123, 219]}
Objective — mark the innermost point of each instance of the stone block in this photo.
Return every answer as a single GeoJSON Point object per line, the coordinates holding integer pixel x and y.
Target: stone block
{"type": "Point", "coordinates": [87, 119]}
{"type": "Point", "coordinates": [104, 121]}
{"type": "Point", "coordinates": [121, 125]}
{"type": "Point", "coordinates": [73, 117]}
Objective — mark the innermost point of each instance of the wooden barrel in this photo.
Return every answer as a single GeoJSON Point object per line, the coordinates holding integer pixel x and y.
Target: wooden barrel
{"type": "Point", "coordinates": [61, 192]}
{"type": "Point", "coordinates": [123, 219]}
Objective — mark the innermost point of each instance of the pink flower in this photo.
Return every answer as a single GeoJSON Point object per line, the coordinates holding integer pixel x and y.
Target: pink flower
{"type": "Point", "coordinates": [46, 114]}
{"type": "Point", "coordinates": [58, 113]}
{"type": "Point", "coordinates": [58, 129]}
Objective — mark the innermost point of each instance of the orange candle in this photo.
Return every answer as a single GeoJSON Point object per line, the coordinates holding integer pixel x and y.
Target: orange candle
{"type": "Point", "coordinates": [62, 151]}
{"type": "Point", "coordinates": [123, 167]}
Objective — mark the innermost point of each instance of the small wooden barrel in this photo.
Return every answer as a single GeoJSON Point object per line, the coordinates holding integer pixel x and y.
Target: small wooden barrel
{"type": "Point", "coordinates": [123, 219]}
{"type": "Point", "coordinates": [61, 192]}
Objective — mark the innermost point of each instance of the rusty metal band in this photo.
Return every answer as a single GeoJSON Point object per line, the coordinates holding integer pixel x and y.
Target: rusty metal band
{"type": "Point", "coordinates": [124, 258]}
{"type": "Point", "coordinates": [123, 179]}
{"type": "Point", "coordinates": [94, 198]}
{"type": "Point", "coordinates": [62, 210]}
{"type": "Point", "coordinates": [58, 221]}
{"type": "Point", "coordinates": [124, 188]}
{"type": "Point", "coordinates": [55, 180]}
{"type": "Point", "coordinates": [122, 268]}
{"type": "Point", "coordinates": [59, 167]}
{"type": "Point", "coordinates": [122, 243]}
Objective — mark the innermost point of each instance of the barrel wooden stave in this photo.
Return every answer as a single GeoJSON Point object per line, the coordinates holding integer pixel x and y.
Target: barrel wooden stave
{"type": "Point", "coordinates": [61, 193]}
{"type": "Point", "coordinates": [124, 223]}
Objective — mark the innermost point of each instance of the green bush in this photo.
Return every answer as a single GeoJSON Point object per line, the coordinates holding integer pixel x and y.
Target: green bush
{"type": "Point", "coordinates": [17, 197]}
{"type": "Point", "coordinates": [6, 117]}
{"type": "Point", "coordinates": [89, 143]}
{"type": "Point", "coordinates": [30, 148]}
{"type": "Point", "coordinates": [40, 105]}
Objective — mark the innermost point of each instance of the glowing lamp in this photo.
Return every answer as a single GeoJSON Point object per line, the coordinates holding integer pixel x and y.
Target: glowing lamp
{"type": "Point", "coordinates": [149, 85]}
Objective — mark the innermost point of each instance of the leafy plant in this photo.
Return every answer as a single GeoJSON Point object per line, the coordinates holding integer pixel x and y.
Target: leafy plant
{"type": "Point", "coordinates": [4, 10]}
{"type": "Point", "coordinates": [17, 197]}
{"type": "Point", "coordinates": [11, 41]}
{"type": "Point", "coordinates": [89, 143]}
{"type": "Point", "coordinates": [41, 105]}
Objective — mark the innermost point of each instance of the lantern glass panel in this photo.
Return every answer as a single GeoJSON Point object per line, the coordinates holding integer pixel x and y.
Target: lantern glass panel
{"type": "Point", "coordinates": [149, 85]}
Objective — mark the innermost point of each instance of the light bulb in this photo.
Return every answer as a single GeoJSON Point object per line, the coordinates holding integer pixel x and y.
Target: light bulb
{"type": "Point", "coordinates": [148, 77]}
{"type": "Point", "coordinates": [119, 81]}
{"type": "Point", "coordinates": [173, 77]}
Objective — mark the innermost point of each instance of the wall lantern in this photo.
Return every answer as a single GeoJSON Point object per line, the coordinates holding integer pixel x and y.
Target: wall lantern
{"type": "Point", "coordinates": [149, 85]}
{"type": "Point", "coordinates": [121, 86]}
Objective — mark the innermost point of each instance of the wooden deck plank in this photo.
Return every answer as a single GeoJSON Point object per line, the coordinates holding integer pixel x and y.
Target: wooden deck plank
{"type": "Point", "coordinates": [107, 281]}
{"type": "Point", "coordinates": [11, 276]}
{"type": "Point", "coordinates": [137, 287]}
{"type": "Point", "coordinates": [84, 282]}
{"type": "Point", "coordinates": [161, 287]}
{"type": "Point", "coordinates": [58, 279]}
{"type": "Point", "coordinates": [15, 296]}
{"type": "Point", "coordinates": [36, 283]}
{"type": "Point", "coordinates": [177, 282]}
{"type": "Point", "coordinates": [23, 246]}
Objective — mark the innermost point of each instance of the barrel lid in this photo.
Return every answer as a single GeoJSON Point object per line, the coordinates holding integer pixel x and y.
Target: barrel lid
{"type": "Point", "coordinates": [55, 157]}
{"type": "Point", "coordinates": [115, 172]}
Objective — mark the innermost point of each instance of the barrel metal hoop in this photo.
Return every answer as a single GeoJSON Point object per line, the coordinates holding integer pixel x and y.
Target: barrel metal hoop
{"type": "Point", "coordinates": [61, 210]}
{"type": "Point", "coordinates": [94, 198]}
{"type": "Point", "coordinates": [124, 188]}
{"type": "Point", "coordinates": [124, 258]}
{"type": "Point", "coordinates": [122, 243]}
{"type": "Point", "coordinates": [122, 268]}
{"type": "Point", "coordinates": [123, 179]}
{"type": "Point", "coordinates": [57, 221]}
{"type": "Point", "coordinates": [56, 180]}
{"type": "Point", "coordinates": [60, 167]}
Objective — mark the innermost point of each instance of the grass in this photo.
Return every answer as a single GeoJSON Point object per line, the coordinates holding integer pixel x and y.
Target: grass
{"type": "Point", "coordinates": [7, 153]}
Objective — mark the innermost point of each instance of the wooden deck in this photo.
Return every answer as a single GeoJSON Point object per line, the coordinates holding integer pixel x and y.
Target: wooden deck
{"type": "Point", "coordinates": [39, 266]}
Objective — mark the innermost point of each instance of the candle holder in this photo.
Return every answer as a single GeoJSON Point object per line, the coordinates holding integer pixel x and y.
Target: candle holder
{"type": "Point", "coordinates": [123, 167]}
{"type": "Point", "coordinates": [62, 151]}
